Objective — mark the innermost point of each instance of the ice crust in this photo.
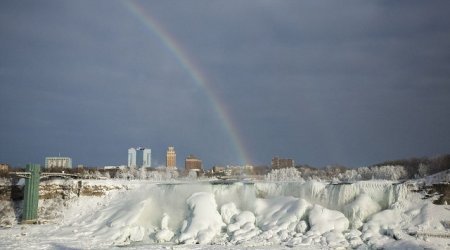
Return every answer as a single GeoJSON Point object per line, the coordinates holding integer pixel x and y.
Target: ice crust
{"type": "Point", "coordinates": [365, 214]}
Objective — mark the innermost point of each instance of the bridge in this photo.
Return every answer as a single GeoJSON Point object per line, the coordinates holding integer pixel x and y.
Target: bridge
{"type": "Point", "coordinates": [27, 175]}
{"type": "Point", "coordinates": [32, 177]}
{"type": "Point", "coordinates": [436, 234]}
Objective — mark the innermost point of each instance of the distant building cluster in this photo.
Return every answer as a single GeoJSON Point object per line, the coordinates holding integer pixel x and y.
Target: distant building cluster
{"type": "Point", "coordinates": [233, 170]}
{"type": "Point", "coordinates": [278, 163]}
{"type": "Point", "coordinates": [58, 162]}
{"type": "Point", "coordinates": [115, 167]}
{"type": "Point", "coordinates": [139, 157]}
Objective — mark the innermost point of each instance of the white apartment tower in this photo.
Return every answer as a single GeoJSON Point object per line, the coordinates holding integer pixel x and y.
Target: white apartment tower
{"type": "Point", "coordinates": [139, 157]}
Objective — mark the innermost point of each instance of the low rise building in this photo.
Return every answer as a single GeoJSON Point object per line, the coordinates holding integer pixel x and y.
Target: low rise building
{"type": "Point", "coordinates": [4, 167]}
{"type": "Point", "coordinates": [58, 162]}
{"type": "Point", "coordinates": [114, 167]}
{"type": "Point", "coordinates": [193, 163]}
{"type": "Point", "coordinates": [218, 169]}
{"type": "Point", "coordinates": [278, 163]}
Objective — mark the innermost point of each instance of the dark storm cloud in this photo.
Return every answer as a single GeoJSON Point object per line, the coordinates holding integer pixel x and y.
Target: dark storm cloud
{"type": "Point", "coordinates": [319, 81]}
{"type": "Point", "coordinates": [329, 82]}
{"type": "Point", "coordinates": [85, 84]}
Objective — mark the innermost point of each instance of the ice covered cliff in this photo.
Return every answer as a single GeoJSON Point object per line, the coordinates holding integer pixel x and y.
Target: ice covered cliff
{"type": "Point", "coordinates": [378, 214]}
{"type": "Point", "coordinates": [366, 213]}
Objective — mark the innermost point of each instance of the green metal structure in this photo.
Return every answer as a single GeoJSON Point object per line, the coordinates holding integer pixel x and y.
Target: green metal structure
{"type": "Point", "coordinates": [31, 194]}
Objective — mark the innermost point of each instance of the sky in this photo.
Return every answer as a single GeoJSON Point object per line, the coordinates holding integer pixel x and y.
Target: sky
{"type": "Point", "coordinates": [233, 82]}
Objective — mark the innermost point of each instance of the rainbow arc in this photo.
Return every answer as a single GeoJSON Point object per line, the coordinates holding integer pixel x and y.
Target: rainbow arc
{"type": "Point", "coordinates": [199, 78]}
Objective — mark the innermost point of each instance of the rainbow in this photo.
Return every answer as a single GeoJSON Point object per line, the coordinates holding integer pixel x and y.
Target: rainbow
{"type": "Point", "coordinates": [171, 44]}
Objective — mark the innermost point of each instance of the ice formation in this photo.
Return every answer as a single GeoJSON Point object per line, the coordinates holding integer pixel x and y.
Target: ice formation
{"type": "Point", "coordinates": [296, 213]}
{"type": "Point", "coordinates": [379, 214]}
{"type": "Point", "coordinates": [360, 209]}
{"type": "Point", "coordinates": [203, 221]}
{"type": "Point", "coordinates": [324, 220]}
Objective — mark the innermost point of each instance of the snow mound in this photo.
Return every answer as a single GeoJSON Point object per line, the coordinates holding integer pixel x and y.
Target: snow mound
{"type": "Point", "coordinates": [360, 209]}
{"type": "Point", "coordinates": [243, 227]}
{"type": "Point", "coordinates": [228, 211]}
{"type": "Point", "coordinates": [204, 221]}
{"type": "Point", "coordinates": [165, 234]}
{"type": "Point", "coordinates": [323, 220]}
{"type": "Point", "coordinates": [280, 213]}
{"type": "Point", "coordinates": [380, 226]}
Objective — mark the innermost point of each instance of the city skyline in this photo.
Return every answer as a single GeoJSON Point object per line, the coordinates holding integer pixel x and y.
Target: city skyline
{"type": "Point", "coordinates": [352, 83]}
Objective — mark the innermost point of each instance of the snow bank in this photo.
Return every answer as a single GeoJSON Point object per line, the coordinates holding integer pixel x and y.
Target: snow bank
{"type": "Point", "coordinates": [323, 220]}
{"type": "Point", "coordinates": [7, 215]}
{"type": "Point", "coordinates": [280, 213]}
{"type": "Point", "coordinates": [306, 214]}
{"type": "Point", "coordinates": [430, 217]}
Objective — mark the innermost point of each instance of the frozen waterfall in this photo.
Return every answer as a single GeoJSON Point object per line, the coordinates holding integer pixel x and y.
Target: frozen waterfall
{"type": "Point", "coordinates": [189, 213]}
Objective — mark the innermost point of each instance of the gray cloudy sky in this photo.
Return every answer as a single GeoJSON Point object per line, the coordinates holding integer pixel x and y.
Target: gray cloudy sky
{"type": "Point", "coordinates": [322, 82]}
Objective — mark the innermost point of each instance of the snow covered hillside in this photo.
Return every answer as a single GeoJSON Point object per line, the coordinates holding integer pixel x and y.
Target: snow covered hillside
{"type": "Point", "coordinates": [310, 214]}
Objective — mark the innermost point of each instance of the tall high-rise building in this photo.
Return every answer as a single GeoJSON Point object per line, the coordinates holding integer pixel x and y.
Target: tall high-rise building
{"type": "Point", "coordinates": [192, 163]}
{"type": "Point", "coordinates": [58, 162]}
{"type": "Point", "coordinates": [131, 157]}
{"type": "Point", "coordinates": [171, 158]}
{"type": "Point", "coordinates": [139, 157]}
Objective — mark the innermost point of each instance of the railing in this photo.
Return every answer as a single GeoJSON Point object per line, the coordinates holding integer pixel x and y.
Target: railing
{"type": "Point", "coordinates": [433, 234]}
{"type": "Point", "coordinates": [63, 175]}
{"type": "Point", "coordinates": [27, 175]}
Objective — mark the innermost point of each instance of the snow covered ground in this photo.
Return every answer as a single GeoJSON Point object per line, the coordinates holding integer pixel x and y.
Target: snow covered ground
{"type": "Point", "coordinates": [266, 215]}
